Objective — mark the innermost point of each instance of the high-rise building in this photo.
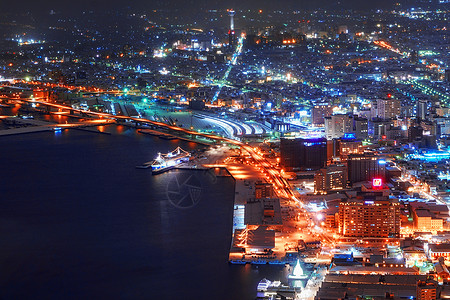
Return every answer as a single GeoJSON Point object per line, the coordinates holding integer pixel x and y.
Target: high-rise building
{"type": "Point", "coordinates": [370, 215]}
{"type": "Point", "coordinates": [304, 154]}
{"type": "Point", "coordinates": [331, 178]}
{"type": "Point", "coordinates": [421, 110]}
{"type": "Point", "coordinates": [426, 290]}
{"type": "Point", "coordinates": [361, 128]}
{"type": "Point", "coordinates": [320, 111]}
{"type": "Point", "coordinates": [415, 132]}
{"type": "Point", "coordinates": [386, 108]}
{"type": "Point", "coordinates": [231, 32]}
{"type": "Point", "coordinates": [364, 167]}
{"type": "Point", "coordinates": [338, 125]}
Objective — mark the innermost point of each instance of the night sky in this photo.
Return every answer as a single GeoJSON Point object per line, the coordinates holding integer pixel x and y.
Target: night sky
{"type": "Point", "coordinates": [186, 5]}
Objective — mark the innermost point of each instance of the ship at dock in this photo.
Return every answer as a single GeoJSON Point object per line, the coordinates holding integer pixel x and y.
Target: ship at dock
{"type": "Point", "coordinates": [168, 161]}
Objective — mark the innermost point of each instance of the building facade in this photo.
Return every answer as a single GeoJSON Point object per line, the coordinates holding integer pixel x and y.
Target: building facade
{"type": "Point", "coordinates": [303, 154]}
{"type": "Point", "coordinates": [370, 217]}
{"type": "Point", "coordinates": [364, 167]}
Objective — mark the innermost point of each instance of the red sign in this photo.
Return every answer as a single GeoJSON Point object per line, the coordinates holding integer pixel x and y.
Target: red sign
{"type": "Point", "coordinates": [377, 182]}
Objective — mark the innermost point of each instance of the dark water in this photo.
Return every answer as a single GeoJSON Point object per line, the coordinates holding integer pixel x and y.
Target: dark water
{"type": "Point", "coordinates": [78, 220]}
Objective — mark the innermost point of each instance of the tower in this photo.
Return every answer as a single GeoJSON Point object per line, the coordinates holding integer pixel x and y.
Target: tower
{"type": "Point", "coordinates": [231, 34]}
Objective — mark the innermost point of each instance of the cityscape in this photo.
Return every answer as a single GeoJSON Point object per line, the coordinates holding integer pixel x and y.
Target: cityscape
{"type": "Point", "coordinates": [216, 150]}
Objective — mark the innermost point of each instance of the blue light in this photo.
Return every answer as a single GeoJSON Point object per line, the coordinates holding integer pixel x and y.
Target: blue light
{"type": "Point", "coordinates": [381, 162]}
{"type": "Point", "coordinates": [349, 136]}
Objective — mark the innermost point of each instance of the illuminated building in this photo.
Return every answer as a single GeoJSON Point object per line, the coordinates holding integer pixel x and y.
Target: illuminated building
{"type": "Point", "coordinates": [231, 32]}
{"type": "Point", "coordinates": [376, 185]}
{"type": "Point", "coordinates": [338, 125]}
{"type": "Point", "coordinates": [330, 178]}
{"type": "Point", "coordinates": [439, 250]}
{"type": "Point", "coordinates": [361, 284]}
{"type": "Point", "coordinates": [265, 211]}
{"type": "Point", "coordinates": [304, 154]}
{"type": "Point", "coordinates": [424, 220]}
{"type": "Point", "coordinates": [263, 190]}
{"type": "Point", "coordinates": [421, 110]}
{"type": "Point", "coordinates": [320, 111]}
{"type": "Point", "coordinates": [360, 128]}
{"type": "Point", "coordinates": [426, 290]}
{"type": "Point", "coordinates": [370, 215]}
{"type": "Point", "coordinates": [364, 167]}
{"type": "Point", "coordinates": [346, 145]}
{"type": "Point", "coordinates": [386, 108]}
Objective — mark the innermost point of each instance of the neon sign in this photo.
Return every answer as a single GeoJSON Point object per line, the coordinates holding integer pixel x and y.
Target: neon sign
{"type": "Point", "coordinates": [377, 183]}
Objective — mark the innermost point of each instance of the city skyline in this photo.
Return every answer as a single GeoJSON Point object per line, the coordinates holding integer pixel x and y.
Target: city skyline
{"type": "Point", "coordinates": [238, 150]}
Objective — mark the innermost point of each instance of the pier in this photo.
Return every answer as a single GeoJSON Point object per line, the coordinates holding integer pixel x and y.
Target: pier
{"type": "Point", "coordinates": [32, 125]}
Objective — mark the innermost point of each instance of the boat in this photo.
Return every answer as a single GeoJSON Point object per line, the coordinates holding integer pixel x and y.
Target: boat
{"type": "Point", "coordinates": [266, 284]}
{"type": "Point", "coordinates": [165, 162]}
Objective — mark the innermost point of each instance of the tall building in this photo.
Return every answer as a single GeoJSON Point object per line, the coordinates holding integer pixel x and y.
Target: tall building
{"type": "Point", "coordinates": [361, 128]}
{"type": "Point", "coordinates": [231, 32]}
{"type": "Point", "coordinates": [415, 132]}
{"type": "Point", "coordinates": [338, 125]}
{"type": "Point", "coordinates": [364, 167]}
{"type": "Point", "coordinates": [386, 108]}
{"type": "Point", "coordinates": [331, 178]}
{"type": "Point", "coordinates": [369, 216]}
{"type": "Point", "coordinates": [421, 110]}
{"type": "Point", "coordinates": [320, 111]}
{"type": "Point", "coordinates": [304, 154]}
{"type": "Point", "coordinates": [426, 290]}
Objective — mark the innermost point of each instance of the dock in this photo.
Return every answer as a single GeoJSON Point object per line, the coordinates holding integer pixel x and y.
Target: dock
{"type": "Point", "coordinates": [23, 130]}
{"type": "Point", "coordinates": [32, 126]}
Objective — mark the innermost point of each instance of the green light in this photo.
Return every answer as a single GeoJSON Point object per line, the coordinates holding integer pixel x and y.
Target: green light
{"type": "Point", "coordinates": [125, 90]}
{"type": "Point", "coordinates": [145, 100]}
